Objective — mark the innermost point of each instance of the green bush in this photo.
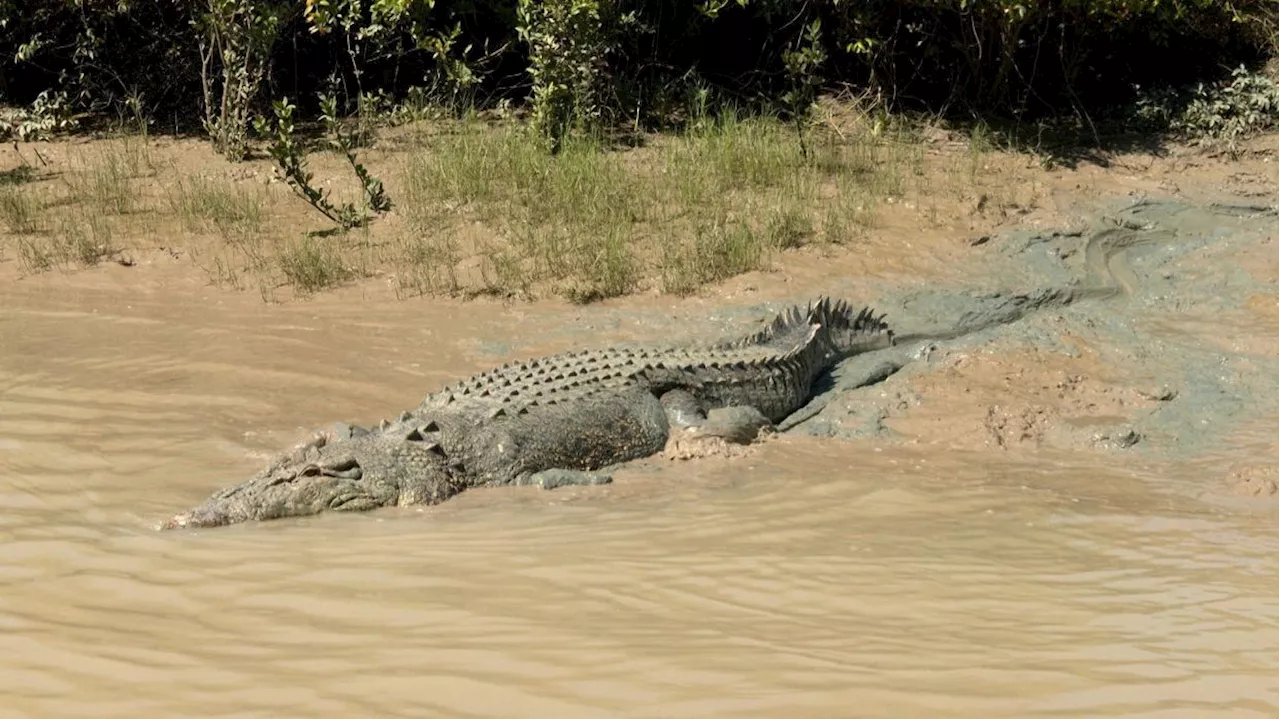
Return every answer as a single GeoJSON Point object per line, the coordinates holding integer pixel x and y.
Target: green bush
{"type": "Point", "coordinates": [1231, 110]}
{"type": "Point", "coordinates": [1224, 112]}
{"type": "Point", "coordinates": [613, 63]}
{"type": "Point", "coordinates": [568, 45]}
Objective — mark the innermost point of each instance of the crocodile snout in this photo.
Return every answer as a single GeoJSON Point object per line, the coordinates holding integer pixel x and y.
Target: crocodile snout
{"type": "Point", "coordinates": [195, 518]}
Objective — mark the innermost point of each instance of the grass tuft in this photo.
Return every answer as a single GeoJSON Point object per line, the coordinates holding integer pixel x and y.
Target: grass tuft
{"type": "Point", "coordinates": [203, 204]}
{"type": "Point", "coordinates": [105, 180]}
{"type": "Point", "coordinates": [313, 264]}
{"type": "Point", "coordinates": [19, 210]}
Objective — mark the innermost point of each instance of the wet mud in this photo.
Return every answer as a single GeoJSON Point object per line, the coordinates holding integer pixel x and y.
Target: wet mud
{"type": "Point", "coordinates": [1119, 294]}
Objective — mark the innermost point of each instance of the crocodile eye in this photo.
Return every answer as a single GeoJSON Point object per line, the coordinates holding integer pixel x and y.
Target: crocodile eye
{"type": "Point", "coordinates": [345, 469]}
{"type": "Point", "coordinates": [345, 465]}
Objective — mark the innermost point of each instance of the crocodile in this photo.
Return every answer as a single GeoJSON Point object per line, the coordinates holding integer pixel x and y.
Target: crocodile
{"type": "Point", "coordinates": [555, 421]}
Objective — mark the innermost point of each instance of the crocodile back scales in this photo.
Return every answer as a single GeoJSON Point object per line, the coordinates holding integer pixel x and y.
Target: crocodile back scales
{"type": "Point", "coordinates": [771, 370]}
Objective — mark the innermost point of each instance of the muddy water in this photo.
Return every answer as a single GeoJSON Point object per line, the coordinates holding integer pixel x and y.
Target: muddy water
{"type": "Point", "coordinates": [811, 578]}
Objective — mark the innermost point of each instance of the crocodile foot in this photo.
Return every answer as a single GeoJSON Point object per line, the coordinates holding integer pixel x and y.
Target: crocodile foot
{"type": "Point", "coordinates": [726, 432]}
{"type": "Point", "coordinates": [738, 425]}
{"type": "Point", "coordinates": [556, 478]}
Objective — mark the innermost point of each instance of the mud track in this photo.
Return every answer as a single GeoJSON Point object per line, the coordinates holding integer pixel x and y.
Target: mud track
{"type": "Point", "coordinates": [1119, 287]}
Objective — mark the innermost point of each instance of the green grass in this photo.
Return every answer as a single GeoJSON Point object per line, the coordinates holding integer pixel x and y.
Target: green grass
{"type": "Point", "coordinates": [35, 256]}
{"type": "Point", "coordinates": [716, 252]}
{"type": "Point", "coordinates": [105, 180]}
{"type": "Point", "coordinates": [72, 221]}
{"type": "Point", "coordinates": [313, 264]}
{"type": "Point", "coordinates": [505, 172]}
{"type": "Point", "coordinates": [428, 265]}
{"type": "Point", "coordinates": [86, 239]}
{"type": "Point", "coordinates": [483, 208]}
{"type": "Point", "coordinates": [77, 237]}
{"type": "Point", "coordinates": [203, 204]}
{"type": "Point", "coordinates": [19, 209]}
{"type": "Point", "coordinates": [589, 223]}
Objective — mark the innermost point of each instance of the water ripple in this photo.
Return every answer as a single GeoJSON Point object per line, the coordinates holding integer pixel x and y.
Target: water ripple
{"type": "Point", "coordinates": [812, 579]}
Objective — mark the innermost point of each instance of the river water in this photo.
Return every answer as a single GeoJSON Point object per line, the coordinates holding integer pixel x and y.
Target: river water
{"type": "Point", "coordinates": [819, 578]}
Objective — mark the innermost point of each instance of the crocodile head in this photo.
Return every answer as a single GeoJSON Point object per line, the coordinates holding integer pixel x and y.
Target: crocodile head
{"type": "Point", "coordinates": [326, 474]}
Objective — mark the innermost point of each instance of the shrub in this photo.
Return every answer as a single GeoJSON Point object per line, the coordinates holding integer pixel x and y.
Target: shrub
{"type": "Point", "coordinates": [591, 63]}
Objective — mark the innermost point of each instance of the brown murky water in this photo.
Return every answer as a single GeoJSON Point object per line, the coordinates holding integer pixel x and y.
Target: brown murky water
{"type": "Point", "coordinates": [811, 578]}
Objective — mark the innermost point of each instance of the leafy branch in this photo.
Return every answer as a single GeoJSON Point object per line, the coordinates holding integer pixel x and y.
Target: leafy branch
{"type": "Point", "coordinates": [292, 164]}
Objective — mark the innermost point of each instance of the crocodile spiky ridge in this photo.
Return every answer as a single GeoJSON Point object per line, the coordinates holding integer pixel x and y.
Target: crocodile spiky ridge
{"type": "Point", "coordinates": [833, 316]}
{"type": "Point", "coordinates": [771, 369]}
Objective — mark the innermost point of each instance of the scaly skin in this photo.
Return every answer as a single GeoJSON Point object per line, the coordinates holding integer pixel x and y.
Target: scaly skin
{"type": "Point", "coordinates": [553, 421]}
{"type": "Point", "coordinates": [771, 370]}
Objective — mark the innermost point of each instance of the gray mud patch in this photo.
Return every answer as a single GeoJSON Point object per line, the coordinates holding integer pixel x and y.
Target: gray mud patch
{"type": "Point", "coordinates": [1171, 279]}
